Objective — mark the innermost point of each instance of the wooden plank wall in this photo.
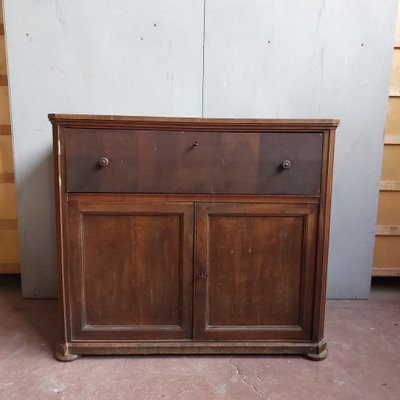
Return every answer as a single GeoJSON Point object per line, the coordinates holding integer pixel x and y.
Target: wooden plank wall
{"type": "Point", "coordinates": [9, 255]}
{"type": "Point", "coordinates": [387, 240]}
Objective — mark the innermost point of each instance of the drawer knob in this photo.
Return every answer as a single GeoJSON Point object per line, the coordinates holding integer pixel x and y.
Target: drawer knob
{"type": "Point", "coordinates": [195, 143]}
{"type": "Point", "coordinates": [103, 161]}
{"type": "Point", "coordinates": [203, 275]}
{"type": "Point", "coordinates": [286, 164]}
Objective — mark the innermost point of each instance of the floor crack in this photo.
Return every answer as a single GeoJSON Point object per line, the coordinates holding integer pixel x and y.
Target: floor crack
{"type": "Point", "coordinates": [244, 380]}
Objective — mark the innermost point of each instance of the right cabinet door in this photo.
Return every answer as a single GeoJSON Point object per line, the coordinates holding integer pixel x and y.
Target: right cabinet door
{"type": "Point", "coordinates": [255, 267]}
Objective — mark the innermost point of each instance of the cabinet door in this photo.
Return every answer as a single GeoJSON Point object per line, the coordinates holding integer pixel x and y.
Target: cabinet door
{"type": "Point", "coordinates": [254, 271]}
{"type": "Point", "coordinates": [130, 269]}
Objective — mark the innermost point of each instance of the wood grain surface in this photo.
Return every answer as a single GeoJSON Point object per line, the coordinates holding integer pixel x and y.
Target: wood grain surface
{"type": "Point", "coordinates": [192, 162]}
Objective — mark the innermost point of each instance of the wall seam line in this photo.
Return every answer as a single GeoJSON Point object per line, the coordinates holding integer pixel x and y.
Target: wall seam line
{"type": "Point", "coordinates": [202, 72]}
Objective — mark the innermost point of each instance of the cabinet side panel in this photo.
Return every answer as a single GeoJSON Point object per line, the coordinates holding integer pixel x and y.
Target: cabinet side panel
{"type": "Point", "coordinates": [323, 235]}
{"type": "Point", "coordinates": [60, 204]}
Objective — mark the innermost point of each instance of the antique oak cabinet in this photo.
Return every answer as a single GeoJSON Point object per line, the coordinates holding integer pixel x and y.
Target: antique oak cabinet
{"type": "Point", "coordinates": [181, 235]}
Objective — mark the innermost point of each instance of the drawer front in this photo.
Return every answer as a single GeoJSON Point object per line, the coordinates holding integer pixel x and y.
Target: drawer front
{"type": "Point", "coordinates": [133, 161]}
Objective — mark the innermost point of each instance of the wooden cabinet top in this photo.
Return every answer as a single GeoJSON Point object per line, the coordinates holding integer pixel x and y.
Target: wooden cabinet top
{"type": "Point", "coordinates": [192, 123]}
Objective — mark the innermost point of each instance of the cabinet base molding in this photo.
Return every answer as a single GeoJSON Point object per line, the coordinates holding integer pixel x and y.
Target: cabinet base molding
{"type": "Point", "coordinates": [317, 357]}
{"type": "Point", "coordinates": [71, 351]}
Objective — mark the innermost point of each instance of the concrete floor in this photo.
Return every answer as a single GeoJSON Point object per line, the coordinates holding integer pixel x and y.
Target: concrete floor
{"type": "Point", "coordinates": [363, 362]}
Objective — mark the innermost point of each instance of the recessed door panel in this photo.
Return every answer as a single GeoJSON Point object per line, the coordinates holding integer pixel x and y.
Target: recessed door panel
{"type": "Point", "coordinates": [132, 270]}
{"type": "Point", "coordinates": [254, 274]}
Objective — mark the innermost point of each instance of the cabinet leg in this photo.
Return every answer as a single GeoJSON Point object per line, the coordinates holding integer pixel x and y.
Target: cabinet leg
{"type": "Point", "coordinates": [62, 353]}
{"type": "Point", "coordinates": [317, 357]}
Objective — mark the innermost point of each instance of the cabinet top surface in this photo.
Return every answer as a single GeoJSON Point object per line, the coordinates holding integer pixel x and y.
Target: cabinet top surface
{"type": "Point", "coordinates": [84, 118]}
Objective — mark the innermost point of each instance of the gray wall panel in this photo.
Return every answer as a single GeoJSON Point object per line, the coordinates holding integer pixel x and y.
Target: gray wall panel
{"type": "Point", "coordinates": [95, 57]}
{"type": "Point", "coordinates": [263, 58]}
{"type": "Point", "coordinates": [313, 59]}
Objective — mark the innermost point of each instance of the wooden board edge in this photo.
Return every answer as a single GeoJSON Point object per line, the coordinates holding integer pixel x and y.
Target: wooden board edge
{"type": "Point", "coordinates": [391, 139]}
{"type": "Point", "coordinates": [387, 230]}
{"type": "Point", "coordinates": [8, 224]}
{"type": "Point", "coordinates": [238, 122]}
{"type": "Point", "coordinates": [3, 80]}
{"type": "Point", "coordinates": [5, 129]}
{"type": "Point", "coordinates": [7, 177]}
{"type": "Point", "coordinates": [9, 268]}
{"type": "Point", "coordinates": [389, 186]}
{"type": "Point", "coordinates": [386, 271]}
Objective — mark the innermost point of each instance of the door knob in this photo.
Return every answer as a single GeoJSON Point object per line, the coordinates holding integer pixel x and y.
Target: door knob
{"type": "Point", "coordinates": [286, 164]}
{"type": "Point", "coordinates": [103, 161]}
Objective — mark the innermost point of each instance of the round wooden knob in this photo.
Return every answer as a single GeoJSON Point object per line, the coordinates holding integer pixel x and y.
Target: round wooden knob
{"type": "Point", "coordinates": [286, 164]}
{"type": "Point", "coordinates": [103, 161]}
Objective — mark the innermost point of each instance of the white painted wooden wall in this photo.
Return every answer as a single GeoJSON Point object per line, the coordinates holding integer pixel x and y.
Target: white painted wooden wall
{"type": "Point", "coordinates": [261, 58]}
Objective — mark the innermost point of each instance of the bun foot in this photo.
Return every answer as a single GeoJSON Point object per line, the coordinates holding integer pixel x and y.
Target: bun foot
{"type": "Point", "coordinates": [62, 353]}
{"type": "Point", "coordinates": [317, 357]}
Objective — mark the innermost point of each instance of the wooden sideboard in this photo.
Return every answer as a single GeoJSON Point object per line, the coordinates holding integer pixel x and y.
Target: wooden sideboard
{"type": "Point", "coordinates": [188, 235]}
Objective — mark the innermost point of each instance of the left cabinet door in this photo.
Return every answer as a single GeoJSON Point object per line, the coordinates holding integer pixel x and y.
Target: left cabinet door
{"type": "Point", "coordinates": [129, 270]}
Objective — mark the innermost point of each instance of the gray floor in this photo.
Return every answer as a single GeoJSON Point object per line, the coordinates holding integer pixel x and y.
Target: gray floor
{"type": "Point", "coordinates": [363, 363]}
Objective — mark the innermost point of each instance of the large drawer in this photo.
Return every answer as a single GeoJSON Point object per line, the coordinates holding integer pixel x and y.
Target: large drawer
{"type": "Point", "coordinates": [142, 161]}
